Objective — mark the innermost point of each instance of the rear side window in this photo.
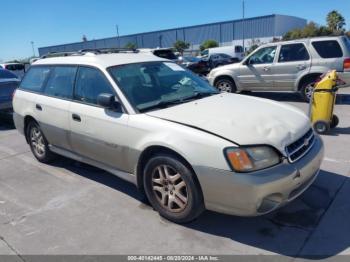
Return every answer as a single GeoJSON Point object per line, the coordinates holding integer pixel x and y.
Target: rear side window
{"type": "Point", "coordinates": [35, 78]}
{"type": "Point", "coordinates": [61, 82]}
{"type": "Point", "coordinates": [292, 53]}
{"type": "Point", "coordinates": [90, 83]}
{"type": "Point", "coordinates": [328, 49]}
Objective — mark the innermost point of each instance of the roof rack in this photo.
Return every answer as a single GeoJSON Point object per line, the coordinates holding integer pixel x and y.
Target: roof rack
{"type": "Point", "coordinates": [95, 51]}
{"type": "Point", "coordinates": [109, 50]}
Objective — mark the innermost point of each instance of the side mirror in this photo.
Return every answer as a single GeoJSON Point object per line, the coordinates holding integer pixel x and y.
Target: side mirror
{"type": "Point", "coordinates": [108, 101]}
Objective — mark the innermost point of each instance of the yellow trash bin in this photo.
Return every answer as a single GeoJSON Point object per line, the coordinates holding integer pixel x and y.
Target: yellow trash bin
{"type": "Point", "coordinates": [322, 103]}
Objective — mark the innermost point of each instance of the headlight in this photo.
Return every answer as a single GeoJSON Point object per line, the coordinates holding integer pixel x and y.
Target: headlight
{"type": "Point", "coordinates": [247, 159]}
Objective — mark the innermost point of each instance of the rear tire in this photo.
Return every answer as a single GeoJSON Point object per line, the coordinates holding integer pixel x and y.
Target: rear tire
{"type": "Point", "coordinates": [321, 127]}
{"type": "Point", "coordinates": [307, 87]}
{"type": "Point", "coordinates": [335, 121]}
{"type": "Point", "coordinates": [38, 143]}
{"type": "Point", "coordinates": [172, 189]}
{"type": "Point", "coordinates": [226, 84]}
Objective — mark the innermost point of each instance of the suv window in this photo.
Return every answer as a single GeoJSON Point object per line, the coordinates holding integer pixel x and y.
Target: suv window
{"type": "Point", "coordinates": [35, 78]}
{"type": "Point", "coordinates": [61, 82]}
{"type": "Point", "coordinates": [265, 55]}
{"type": "Point", "coordinates": [238, 49]}
{"type": "Point", "coordinates": [293, 52]}
{"type": "Point", "coordinates": [90, 83]}
{"type": "Point", "coordinates": [328, 49]}
{"type": "Point", "coordinates": [167, 54]}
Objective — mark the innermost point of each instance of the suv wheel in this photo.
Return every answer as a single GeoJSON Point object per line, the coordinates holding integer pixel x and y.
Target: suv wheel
{"type": "Point", "coordinates": [226, 85]}
{"type": "Point", "coordinates": [38, 143]}
{"type": "Point", "coordinates": [307, 88]}
{"type": "Point", "coordinates": [171, 189]}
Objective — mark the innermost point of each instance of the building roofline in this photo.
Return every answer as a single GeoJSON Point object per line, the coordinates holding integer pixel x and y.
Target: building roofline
{"type": "Point", "coordinates": [177, 28]}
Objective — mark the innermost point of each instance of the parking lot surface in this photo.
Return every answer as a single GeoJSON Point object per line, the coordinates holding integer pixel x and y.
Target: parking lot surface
{"type": "Point", "coordinates": [72, 208]}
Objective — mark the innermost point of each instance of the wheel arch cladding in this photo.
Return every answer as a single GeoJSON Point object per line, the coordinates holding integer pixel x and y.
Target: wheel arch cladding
{"type": "Point", "coordinates": [224, 77]}
{"type": "Point", "coordinates": [27, 120]}
{"type": "Point", "coordinates": [306, 78]}
{"type": "Point", "coordinates": [151, 151]}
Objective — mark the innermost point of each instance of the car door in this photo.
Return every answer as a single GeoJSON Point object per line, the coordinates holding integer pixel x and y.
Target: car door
{"type": "Point", "coordinates": [97, 133]}
{"type": "Point", "coordinates": [256, 73]}
{"type": "Point", "coordinates": [293, 62]}
{"type": "Point", "coordinates": [53, 105]}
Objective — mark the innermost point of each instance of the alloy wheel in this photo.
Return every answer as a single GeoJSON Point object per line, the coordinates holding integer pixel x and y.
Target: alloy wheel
{"type": "Point", "coordinates": [169, 188]}
{"type": "Point", "coordinates": [225, 86]}
{"type": "Point", "coordinates": [37, 141]}
{"type": "Point", "coordinates": [308, 91]}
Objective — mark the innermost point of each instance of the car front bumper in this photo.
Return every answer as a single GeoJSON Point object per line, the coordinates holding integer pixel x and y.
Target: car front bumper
{"type": "Point", "coordinates": [258, 193]}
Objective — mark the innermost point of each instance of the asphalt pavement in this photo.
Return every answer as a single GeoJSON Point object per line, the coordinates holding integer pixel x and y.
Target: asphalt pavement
{"type": "Point", "coordinates": [73, 208]}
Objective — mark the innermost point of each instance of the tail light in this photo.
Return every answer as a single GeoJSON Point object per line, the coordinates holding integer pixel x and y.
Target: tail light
{"type": "Point", "coordinates": [347, 64]}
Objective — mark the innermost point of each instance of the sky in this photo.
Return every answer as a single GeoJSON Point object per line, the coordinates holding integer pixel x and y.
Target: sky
{"type": "Point", "coordinates": [47, 22]}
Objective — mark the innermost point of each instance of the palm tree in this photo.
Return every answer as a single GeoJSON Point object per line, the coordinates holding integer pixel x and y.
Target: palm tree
{"type": "Point", "coordinates": [335, 21]}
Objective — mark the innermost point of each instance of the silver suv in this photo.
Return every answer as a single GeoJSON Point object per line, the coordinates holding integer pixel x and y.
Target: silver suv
{"type": "Point", "coordinates": [151, 122]}
{"type": "Point", "coordinates": [286, 66]}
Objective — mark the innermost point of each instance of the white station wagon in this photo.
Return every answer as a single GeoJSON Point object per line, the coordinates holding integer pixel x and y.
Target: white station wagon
{"type": "Point", "coordinates": [157, 125]}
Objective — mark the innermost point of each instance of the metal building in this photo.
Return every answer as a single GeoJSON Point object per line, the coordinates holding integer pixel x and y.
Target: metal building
{"type": "Point", "coordinates": [263, 28]}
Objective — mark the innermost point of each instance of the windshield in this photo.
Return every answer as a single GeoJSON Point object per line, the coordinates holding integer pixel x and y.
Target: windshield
{"type": "Point", "coordinates": [159, 84]}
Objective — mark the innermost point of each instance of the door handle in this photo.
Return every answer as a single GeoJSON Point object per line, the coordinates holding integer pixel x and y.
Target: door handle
{"type": "Point", "coordinates": [266, 68]}
{"type": "Point", "coordinates": [38, 107]}
{"type": "Point", "coordinates": [76, 117]}
{"type": "Point", "coordinates": [301, 67]}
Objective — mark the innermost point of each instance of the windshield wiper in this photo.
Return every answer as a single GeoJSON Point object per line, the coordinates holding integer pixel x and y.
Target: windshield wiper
{"type": "Point", "coordinates": [199, 95]}
{"type": "Point", "coordinates": [166, 103]}
{"type": "Point", "coordinates": [161, 104]}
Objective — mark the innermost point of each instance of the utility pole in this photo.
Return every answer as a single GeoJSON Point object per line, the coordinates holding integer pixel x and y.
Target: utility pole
{"type": "Point", "coordinates": [243, 25]}
{"type": "Point", "coordinates": [32, 43]}
{"type": "Point", "coordinates": [117, 28]}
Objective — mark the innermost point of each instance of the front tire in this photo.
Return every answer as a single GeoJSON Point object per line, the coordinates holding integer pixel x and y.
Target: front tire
{"type": "Point", "coordinates": [171, 188]}
{"type": "Point", "coordinates": [38, 143]}
{"type": "Point", "coordinates": [307, 88]}
{"type": "Point", "coordinates": [226, 84]}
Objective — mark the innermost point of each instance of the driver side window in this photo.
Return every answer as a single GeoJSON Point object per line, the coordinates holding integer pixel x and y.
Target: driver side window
{"type": "Point", "coordinates": [263, 56]}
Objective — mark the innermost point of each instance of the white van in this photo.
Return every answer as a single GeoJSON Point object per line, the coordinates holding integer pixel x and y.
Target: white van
{"type": "Point", "coordinates": [234, 51]}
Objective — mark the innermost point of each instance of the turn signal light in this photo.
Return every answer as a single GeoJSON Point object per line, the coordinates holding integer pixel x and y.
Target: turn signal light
{"type": "Point", "coordinates": [239, 159]}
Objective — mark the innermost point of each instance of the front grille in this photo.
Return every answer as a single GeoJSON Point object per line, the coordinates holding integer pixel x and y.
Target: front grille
{"type": "Point", "coordinates": [300, 147]}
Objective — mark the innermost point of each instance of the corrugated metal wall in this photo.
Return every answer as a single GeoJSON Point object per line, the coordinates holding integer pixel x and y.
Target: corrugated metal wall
{"type": "Point", "coordinates": [223, 32]}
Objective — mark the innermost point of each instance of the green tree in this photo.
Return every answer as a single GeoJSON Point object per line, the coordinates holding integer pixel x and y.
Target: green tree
{"type": "Point", "coordinates": [130, 45]}
{"type": "Point", "coordinates": [208, 44]}
{"type": "Point", "coordinates": [335, 21]}
{"type": "Point", "coordinates": [254, 44]}
{"type": "Point", "coordinates": [310, 30]}
{"type": "Point", "coordinates": [180, 46]}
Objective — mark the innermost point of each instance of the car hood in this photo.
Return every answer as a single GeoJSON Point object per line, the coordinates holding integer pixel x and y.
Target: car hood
{"type": "Point", "coordinates": [244, 120]}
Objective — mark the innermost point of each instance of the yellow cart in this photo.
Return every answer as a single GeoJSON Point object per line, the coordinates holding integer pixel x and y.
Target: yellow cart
{"type": "Point", "coordinates": [322, 103]}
